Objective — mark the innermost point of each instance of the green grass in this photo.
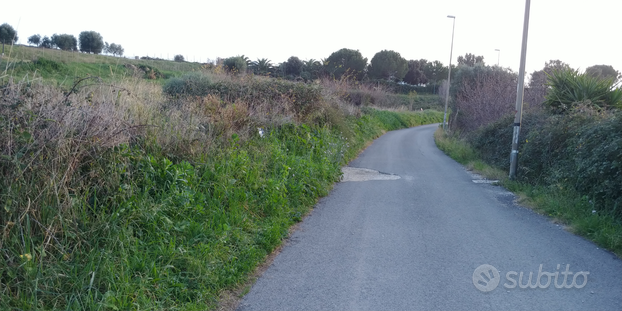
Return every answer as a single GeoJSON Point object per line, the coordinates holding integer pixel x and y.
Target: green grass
{"type": "Point", "coordinates": [115, 197]}
{"type": "Point", "coordinates": [560, 203]}
{"type": "Point", "coordinates": [20, 62]}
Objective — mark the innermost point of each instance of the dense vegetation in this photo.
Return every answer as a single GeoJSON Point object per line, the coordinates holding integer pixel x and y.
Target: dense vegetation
{"type": "Point", "coordinates": [570, 151]}
{"type": "Point", "coordinates": [127, 190]}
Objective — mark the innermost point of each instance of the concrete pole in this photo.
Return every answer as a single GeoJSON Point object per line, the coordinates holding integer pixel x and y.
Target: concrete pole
{"type": "Point", "coordinates": [449, 73]}
{"type": "Point", "coordinates": [519, 95]}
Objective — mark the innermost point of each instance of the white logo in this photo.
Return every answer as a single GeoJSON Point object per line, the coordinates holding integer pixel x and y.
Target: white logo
{"type": "Point", "coordinates": [486, 278]}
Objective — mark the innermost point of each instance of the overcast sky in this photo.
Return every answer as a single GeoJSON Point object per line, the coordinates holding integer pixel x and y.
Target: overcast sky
{"type": "Point", "coordinates": [580, 33]}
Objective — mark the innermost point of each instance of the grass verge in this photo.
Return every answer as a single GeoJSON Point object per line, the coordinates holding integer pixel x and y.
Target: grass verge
{"type": "Point", "coordinates": [561, 204]}
{"type": "Point", "coordinates": [114, 197]}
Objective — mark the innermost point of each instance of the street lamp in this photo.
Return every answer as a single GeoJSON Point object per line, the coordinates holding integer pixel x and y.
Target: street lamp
{"type": "Point", "coordinates": [449, 73]}
{"type": "Point", "coordinates": [498, 56]}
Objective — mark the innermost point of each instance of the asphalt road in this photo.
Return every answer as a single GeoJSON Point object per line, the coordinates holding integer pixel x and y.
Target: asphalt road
{"type": "Point", "coordinates": [414, 243]}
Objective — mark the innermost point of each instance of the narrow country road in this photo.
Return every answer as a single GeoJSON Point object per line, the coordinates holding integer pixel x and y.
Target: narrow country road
{"type": "Point", "coordinates": [414, 243]}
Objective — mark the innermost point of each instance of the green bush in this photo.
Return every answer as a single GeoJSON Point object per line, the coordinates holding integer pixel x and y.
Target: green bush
{"type": "Point", "coordinates": [256, 91]}
{"type": "Point", "coordinates": [236, 64]}
{"type": "Point", "coordinates": [581, 150]}
{"type": "Point", "coordinates": [190, 84]}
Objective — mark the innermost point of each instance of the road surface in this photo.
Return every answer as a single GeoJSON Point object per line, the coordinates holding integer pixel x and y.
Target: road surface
{"type": "Point", "coordinates": [430, 238]}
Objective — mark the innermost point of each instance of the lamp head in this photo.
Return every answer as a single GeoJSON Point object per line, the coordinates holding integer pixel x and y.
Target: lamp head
{"type": "Point", "coordinates": [451, 16]}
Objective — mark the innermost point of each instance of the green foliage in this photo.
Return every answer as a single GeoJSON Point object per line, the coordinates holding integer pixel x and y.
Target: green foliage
{"type": "Point", "coordinates": [388, 65]}
{"type": "Point", "coordinates": [236, 64]}
{"type": "Point", "coordinates": [47, 43]}
{"type": "Point", "coordinates": [311, 69]}
{"type": "Point", "coordinates": [435, 71]}
{"type": "Point", "coordinates": [470, 60]}
{"type": "Point", "coordinates": [605, 72]}
{"type": "Point", "coordinates": [580, 150]}
{"type": "Point", "coordinates": [34, 40]}
{"type": "Point", "coordinates": [261, 66]}
{"type": "Point", "coordinates": [91, 42]}
{"type": "Point", "coordinates": [65, 42]}
{"type": "Point", "coordinates": [190, 84]}
{"type": "Point", "coordinates": [179, 58]}
{"type": "Point", "coordinates": [256, 91]}
{"type": "Point", "coordinates": [8, 35]}
{"type": "Point", "coordinates": [114, 49]}
{"type": "Point", "coordinates": [569, 88]}
{"type": "Point", "coordinates": [293, 66]}
{"type": "Point", "coordinates": [456, 148]}
{"type": "Point", "coordinates": [43, 64]}
{"type": "Point", "coordinates": [558, 201]}
{"type": "Point", "coordinates": [415, 74]}
{"type": "Point", "coordinates": [346, 63]}
{"type": "Point", "coordinates": [134, 226]}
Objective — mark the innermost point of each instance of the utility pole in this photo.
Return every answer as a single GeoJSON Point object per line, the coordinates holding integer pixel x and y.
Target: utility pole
{"type": "Point", "coordinates": [519, 95]}
{"type": "Point", "coordinates": [451, 51]}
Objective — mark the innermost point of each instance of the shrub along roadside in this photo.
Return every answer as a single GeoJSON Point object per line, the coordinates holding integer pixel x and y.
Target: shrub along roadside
{"type": "Point", "coordinates": [560, 202]}
{"type": "Point", "coordinates": [152, 232]}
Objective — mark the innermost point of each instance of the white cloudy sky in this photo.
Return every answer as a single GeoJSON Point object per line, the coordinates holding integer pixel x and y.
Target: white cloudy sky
{"type": "Point", "coordinates": [580, 33]}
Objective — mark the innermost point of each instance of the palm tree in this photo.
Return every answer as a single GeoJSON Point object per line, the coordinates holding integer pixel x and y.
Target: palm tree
{"type": "Point", "coordinates": [261, 66]}
{"type": "Point", "coordinates": [312, 67]}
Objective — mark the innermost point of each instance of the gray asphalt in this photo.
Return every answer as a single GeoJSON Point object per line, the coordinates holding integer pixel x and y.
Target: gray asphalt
{"type": "Point", "coordinates": [414, 243]}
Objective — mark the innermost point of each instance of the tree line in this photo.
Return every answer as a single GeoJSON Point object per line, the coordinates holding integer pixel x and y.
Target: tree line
{"type": "Point", "coordinates": [348, 64]}
{"type": "Point", "coordinates": [87, 41]}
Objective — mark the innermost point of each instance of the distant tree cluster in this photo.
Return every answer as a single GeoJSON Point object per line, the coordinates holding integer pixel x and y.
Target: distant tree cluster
{"type": "Point", "coordinates": [87, 41]}
{"type": "Point", "coordinates": [346, 64]}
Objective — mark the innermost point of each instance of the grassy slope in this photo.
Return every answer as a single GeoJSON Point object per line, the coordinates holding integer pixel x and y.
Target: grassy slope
{"type": "Point", "coordinates": [115, 200]}
{"type": "Point", "coordinates": [562, 205]}
{"type": "Point", "coordinates": [19, 62]}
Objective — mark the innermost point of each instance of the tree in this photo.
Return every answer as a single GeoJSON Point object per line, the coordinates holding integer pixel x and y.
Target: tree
{"type": "Point", "coordinates": [435, 71]}
{"type": "Point", "coordinates": [388, 65]}
{"type": "Point", "coordinates": [179, 58]}
{"type": "Point", "coordinates": [415, 74]}
{"type": "Point", "coordinates": [537, 87]}
{"type": "Point", "coordinates": [603, 72]}
{"type": "Point", "coordinates": [483, 94]}
{"type": "Point", "coordinates": [46, 42]}
{"type": "Point", "coordinates": [34, 40]}
{"type": "Point", "coordinates": [91, 42]}
{"type": "Point", "coordinates": [65, 42]}
{"type": "Point", "coordinates": [293, 66]}
{"type": "Point", "coordinates": [235, 64]}
{"type": "Point", "coordinates": [261, 66]}
{"type": "Point", "coordinates": [8, 35]}
{"type": "Point", "coordinates": [311, 69]}
{"type": "Point", "coordinates": [346, 62]}
{"type": "Point", "coordinates": [470, 60]}
{"type": "Point", "coordinates": [539, 77]}
{"type": "Point", "coordinates": [114, 49]}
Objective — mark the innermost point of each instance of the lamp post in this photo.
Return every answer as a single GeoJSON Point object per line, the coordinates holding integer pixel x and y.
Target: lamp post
{"type": "Point", "coordinates": [498, 56]}
{"type": "Point", "coordinates": [519, 95]}
{"type": "Point", "coordinates": [449, 72]}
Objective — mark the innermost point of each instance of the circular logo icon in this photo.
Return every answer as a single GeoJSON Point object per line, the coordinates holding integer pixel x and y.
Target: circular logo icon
{"type": "Point", "coordinates": [486, 278]}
